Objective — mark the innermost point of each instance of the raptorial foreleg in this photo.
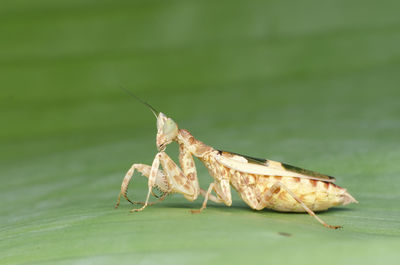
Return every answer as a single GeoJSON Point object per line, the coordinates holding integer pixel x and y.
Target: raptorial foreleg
{"type": "Point", "coordinates": [186, 184]}
{"type": "Point", "coordinates": [189, 172]}
{"type": "Point", "coordinates": [125, 183]}
{"type": "Point", "coordinates": [152, 179]}
{"type": "Point", "coordinates": [174, 178]}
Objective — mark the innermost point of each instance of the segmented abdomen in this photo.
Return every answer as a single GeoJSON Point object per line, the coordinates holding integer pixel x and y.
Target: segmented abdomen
{"type": "Point", "coordinates": [316, 194]}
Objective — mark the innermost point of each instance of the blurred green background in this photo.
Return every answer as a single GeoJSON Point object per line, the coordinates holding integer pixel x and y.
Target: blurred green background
{"type": "Point", "coordinates": [311, 83]}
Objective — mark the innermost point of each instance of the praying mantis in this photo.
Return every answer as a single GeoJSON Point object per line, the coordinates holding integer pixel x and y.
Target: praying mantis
{"type": "Point", "coordinates": [261, 183]}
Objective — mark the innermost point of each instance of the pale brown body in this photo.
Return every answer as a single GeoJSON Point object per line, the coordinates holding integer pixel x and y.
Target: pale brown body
{"type": "Point", "coordinates": [315, 194]}
{"type": "Point", "coordinates": [281, 189]}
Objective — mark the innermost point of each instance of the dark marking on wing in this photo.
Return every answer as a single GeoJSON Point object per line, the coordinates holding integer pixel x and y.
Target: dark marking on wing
{"type": "Point", "coordinates": [306, 172]}
{"type": "Point", "coordinates": [264, 162]}
{"type": "Point", "coordinates": [250, 159]}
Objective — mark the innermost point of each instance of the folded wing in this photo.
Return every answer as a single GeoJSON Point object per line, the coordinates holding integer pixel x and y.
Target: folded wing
{"type": "Point", "coordinates": [260, 166]}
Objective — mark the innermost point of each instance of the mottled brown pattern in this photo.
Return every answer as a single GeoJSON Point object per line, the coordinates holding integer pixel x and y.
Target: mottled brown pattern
{"type": "Point", "coordinates": [277, 190]}
{"type": "Point", "coordinates": [170, 165]}
{"type": "Point", "coordinates": [190, 176]}
{"type": "Point", "coordinates": [227, 154]}
{"type": "Point", "coordinates": [283, 190]}
{"type": "Point", "coordinates": [251, 179]}
{"type": "Point", "coordinates": [326, 185]}
{"type": "Point", "coordinates": [245, 181]}
{"type": "Point", "coordinates": [313, 182]}
{"type": "Point", "coordinates": [202, 148]}
{"type": "Point", "coordinates": [282, 196]}
{"type": "Point", "coordinates": [178, 179]}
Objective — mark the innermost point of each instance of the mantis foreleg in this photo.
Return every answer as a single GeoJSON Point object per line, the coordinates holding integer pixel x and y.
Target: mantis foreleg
{"type": "Point", "coordinates": [189, 171]}
{"type": "Point", "coordinates": [145, 170]}
{"type": "Point", "coordinates": [171, 179]}
{"type": "Point", "coordinates": [183, 180]}
{"type": "Point", "coordinates": [152, 179]}
{"type": "Point", "coordinates": [174, 180]}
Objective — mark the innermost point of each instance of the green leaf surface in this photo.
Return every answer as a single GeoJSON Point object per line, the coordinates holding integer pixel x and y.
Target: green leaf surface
{"type": "Point", "coordinates": [311, 83]}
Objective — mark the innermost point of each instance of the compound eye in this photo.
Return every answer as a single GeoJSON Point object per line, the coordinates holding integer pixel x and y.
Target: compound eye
{"type": "Point", "coordinates": [161, 119]}
{"type": "Point", "coordinates": [170, 128]}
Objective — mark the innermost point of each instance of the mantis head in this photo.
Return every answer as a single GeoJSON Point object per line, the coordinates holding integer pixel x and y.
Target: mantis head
{"type": "Point", "coordinates": [167, 131]}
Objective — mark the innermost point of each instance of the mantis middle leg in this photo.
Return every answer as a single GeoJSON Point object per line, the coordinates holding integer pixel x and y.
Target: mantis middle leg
{"type": "Point", "coordinates": [223, 191]}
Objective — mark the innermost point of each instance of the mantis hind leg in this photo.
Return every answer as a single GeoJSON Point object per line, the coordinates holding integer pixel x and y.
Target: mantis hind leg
{"type": "Point", "coordinates": [276, 189]}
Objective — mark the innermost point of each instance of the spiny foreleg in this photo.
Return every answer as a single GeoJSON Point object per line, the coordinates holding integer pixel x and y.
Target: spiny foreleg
{"type": "Point", "coordinates": [160, 199]}
{"type": "Point", "coordinates": [125, 183]}
{"type": "Point", "coordinates": [189, 171]}
{"type": "Point", "coordinates": [183, 180]}
{"type": "Point", "coordinates": [152, 179]}
{"type": "Point", "coordinates": [176, 180]}
{"type": "Point", "coordinates": [161, 183]}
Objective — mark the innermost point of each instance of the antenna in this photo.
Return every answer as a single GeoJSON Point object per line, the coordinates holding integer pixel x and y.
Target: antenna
{"type": "Point", "coordinates": [141, 101]}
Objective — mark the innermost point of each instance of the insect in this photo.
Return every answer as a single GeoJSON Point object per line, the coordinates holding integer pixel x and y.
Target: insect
{"type": "Point", "coordinates": [261, 183]}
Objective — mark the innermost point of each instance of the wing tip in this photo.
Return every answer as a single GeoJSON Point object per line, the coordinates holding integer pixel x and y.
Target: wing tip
{"type": "Point", "coordinates": [307, 172]}
{"type": "Point", "coordinates": [347, 198]}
